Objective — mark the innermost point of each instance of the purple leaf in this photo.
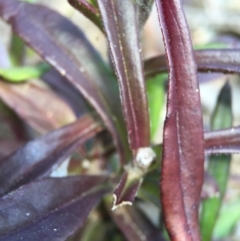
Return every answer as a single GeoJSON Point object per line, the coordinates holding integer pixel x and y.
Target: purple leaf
{"type": "Point", "coordinates": [223, 141]}
{"type": "Point", "coordinates": [67, 91]}
{"type": "Point", "coordinates": [27, 19]}
{"type": "Point", "coordinates": [183, 159]}
{"type": "Point", "coordinates": [37, 105]}
{"type": "Point", "coordinates": [126, 190]}
{"type": "Point", "coordinates": [215, 60]}
{"type": "Point", "coordinates": [90, 61]}
{"type": "Point", "coordinates": [125, 51]}
{"type": "Point", "coordinates": [135, 226]}
{"type": "Point", "coordinates": [49, 209]}
{"type": "Point", "coordinates": [38, 157]}
{"type": "Point", "coordinates": [84, 7]}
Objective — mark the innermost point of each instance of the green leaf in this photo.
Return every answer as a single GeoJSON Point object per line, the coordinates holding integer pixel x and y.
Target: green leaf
{"type": "Point", "coordinates": [17, 50]}
{"type": "Point", "coordinates": [218, 166]}
{"type": "Point", "coordinates": [20, 74]}
{"type": "Point", "coordinates": [228, 218]}
{"type": "Point", "coordinates": [149, 190]}
{"type": "Point", "coordinates": [155, 93]}
{"type": "Point", "coordinates": [93, 2]}
{"type": "Point", "coordinates": [210, 46]}
{"type": "Point", "coordinates": [29, 1]}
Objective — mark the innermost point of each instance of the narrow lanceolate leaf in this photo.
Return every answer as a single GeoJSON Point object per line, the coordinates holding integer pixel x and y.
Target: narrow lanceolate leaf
{"type": "Point", "coordinates": [121, 26]}
{"type": "Point", "coordinates": [38, 158]}
{"type": "Point", "coordinates": [49, 209]}
{"type": "Point", "coordinates": [84, 7]}
{"type": "Point", "coordinates": [223, 141]}
{"type": "Point", "coordinates": [182, 165]}
{"type": "Point", "coordinates": [218, 166]}
{"type": "Point", "coordinates": [228, 219]}
{"type": "Point", "coordinates": [27, 19]}
{"type": "Point", "coordinates": [68, 92]}
{"type": "Point", "coordinates": [135, 226]}
{"type": "Point", "coordinates": [215, 60]}
{"type": "Point", "coordinates": [90, 63]}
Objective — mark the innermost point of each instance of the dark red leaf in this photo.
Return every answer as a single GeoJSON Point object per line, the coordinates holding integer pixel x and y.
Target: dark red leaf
{"type": "Point", "coordinates": [125, 51]}
{"type": "Point", "coordinates": [223, 141]}
{"type": "Point", "coordinates": [87, 57]}
{"type": "Point", "coordinates": [183, 145]}
{"type": "Point", "coordinates": [135, 226]}
{"type": "Point", "coordinates": [38, 157]}
{"type": "Point", "coordinates": [88, 10]}
{"type": "Point", "coordinates": [37, 105]}
{"type": "Point", "coordinates": [49, 209]}
{"type": "Point", "coordinates": [215, 60]}
{"type": "Point", "coordinates": [91, 63]}
{"type": "Point", "coordinates": [126, 190]}
{"type": "Point", "coordinates": [36, 25]}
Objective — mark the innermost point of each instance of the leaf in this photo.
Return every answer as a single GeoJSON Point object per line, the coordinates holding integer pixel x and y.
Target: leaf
{"type": "Point", "coordinates": [20, 74]}
{"type": "Point", "coordinates": [135, 226]}
{"type": "Point", "coordinates": [37, 105]}
{"type": "Point", "coordinates": [218, 166]}
{"type": "Point", "coordinates": [88, 10]}
{"type": "Point", "coordinates": [67, 92]}
{"type": "Point", "coordinates": [127, 188]}
{"type": "Point", "coordinates": [215, 60]}
{"type": "Point", "coordinates": [156, 97]}
{"type": "Point", "coordinates": [89, 60]}
{"type": "Point", "coordinates": [149, 190]}
{"type": "Point", "coordinates": [228, 218]}
{"type": "Point", "coordinates": [183, 162]}
{"type": "Point", "coordinates": [27, 19]}
{"type": "Point", "coordinates": [225, 141]}
{"type": "Point", "coordinates": [125, 51]}
{"type": "Point", "coordinates": [17, 50]}
{"type": "Point", "coordinates": [49, 209]}
{"type": "Point", "coordinates": [37, 158]}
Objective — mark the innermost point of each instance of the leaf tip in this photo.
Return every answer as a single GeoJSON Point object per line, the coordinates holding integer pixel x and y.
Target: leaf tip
{"type": "Point", "coordinates": [117, 205]}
